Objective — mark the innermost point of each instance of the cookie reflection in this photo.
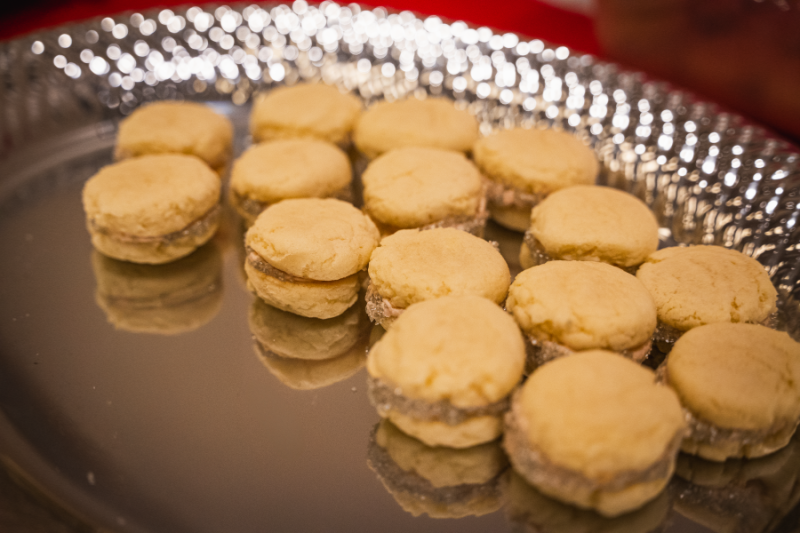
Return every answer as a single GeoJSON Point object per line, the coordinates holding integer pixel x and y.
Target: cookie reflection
{"type": "Point", "coordinates": [161, 299]}
{"type": "Point", "coordinates": [437, 481]}
{"type": "Point", "coordinates": [739, 496]}
{"type": "Point", "coordinates": [309, 353]}
{"type": "Point", "coordinates": [532, 511]}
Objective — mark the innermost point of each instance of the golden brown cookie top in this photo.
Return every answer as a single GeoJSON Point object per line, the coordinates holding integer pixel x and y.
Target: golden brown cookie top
{"type": "Point", "coordinates": [699, 285]}
{"type": "Point", "coordinates": [738, 376]}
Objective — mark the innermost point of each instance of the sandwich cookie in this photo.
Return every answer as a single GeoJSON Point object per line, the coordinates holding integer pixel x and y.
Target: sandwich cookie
{"type": "Point", "coordinates": [424, 188]}
{"type": "Point", "coordinates": [699, 285]}
{"type": "Point", "coordinates": [288, 168]}
{"type": "Point", "coordinates": [569, 306]}
{"type": "Point", "coordinates": [309, 353]}
{"type": "Point", "coordinates": [304, 256]}
{"type": "Point", "coordinates": [432, 123]}
{"type": "Point", "coordinates": [524, 166]}
{"type": "Point", "coordinates": [595, 430]}
{"type": "Point", "coordinates": [740, 388]}
{"type": "Point", "coordinates": [152, 209]}
{"type": "Point", "coordinates": [307, 110]}
{"type": "Point", "coordinates": [163, 299]}
{"type": "Point", "coordinates": [176, 128]}
{"type": "Point", "coordinates": [443, 372]}
{"type": "Point", "coordinates": [590, 223]}
{"type": "Point", "coordinates": [434, 480]}
{"type": "Point", "coordinates": [413, 266]}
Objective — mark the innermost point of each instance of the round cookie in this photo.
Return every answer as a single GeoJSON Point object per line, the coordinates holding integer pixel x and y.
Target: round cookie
{"type": "Point", "coordinates": [413, 266]}
{"type": "Point", "coordinates": [176, 128]}
{"type": "Point", "coordinates": [433, 122]}
{"type": "Point", "coordinates": [437, 481]}
{"type": "Point", "coordinates": [590, 223]}
{"type": "Point", "coordinates": [699, 285]}
{"type": "Point", "coordinates": [288, 168]}
{"type": "Point", "coordinates": [526, 165]}
{"type": "Point", "coordinates": [595, 430]}
{"type": "Point", "coordinates": [162, 299]}
{"type": "Point", "coordinates": [306, 110]}
{"type": "Point", "coordinates": [414, 187]}
{"type": "Point", "coordinates": [304, 256]}
{"type": "Point", "coordinates": [740, 384]}
{"type": "Point", "coordinates": [443, 372]}
{"type": "Point", "coordinates": [152, 209]}
{"type": "Point", "coordinates": [566, 306]}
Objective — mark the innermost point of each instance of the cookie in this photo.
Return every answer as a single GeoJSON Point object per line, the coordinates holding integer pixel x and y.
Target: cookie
{"type": "Point", "coordinates": [176, 128]}
{"type": "Point", "coordinates": [161, 299]}
{"type": "Point", "coordinates": [288, 168]}
{"type": "Point", "coordinates": [740, 387]}
{"type": "Point", "coordinates": [569, 306]}
{"type": "Point", "coordinates": [152, 209]}
{"type": "Point", "coordinates": [433, 123]}
{"type": "Point", "coordinates": [700, 285]}
{"type": "Point", "coordinates": [417, 187]}
{"type": "Point", "coordinates": [307, 110]}
{"type": "Point", "coordinates": [590, 223]}
{"type": "Point", "coordinates": [437, 481]}
{"type": "Point", "coordinates": [413, 266]}
{"type": "Point", "coordinates": [524, 166]}
{"type": "Point", "coordinates": [304, 256]}
{"type": "Point", "coordinates": [595, 430]}
{"type": "Point", "coordinates": [443, 372]}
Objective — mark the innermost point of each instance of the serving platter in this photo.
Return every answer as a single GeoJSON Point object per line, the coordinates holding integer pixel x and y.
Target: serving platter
{"type": "Point", "coordinates": [138, 415]}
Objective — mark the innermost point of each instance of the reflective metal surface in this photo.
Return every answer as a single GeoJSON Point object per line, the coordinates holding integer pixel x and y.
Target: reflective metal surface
{"type": "Point", "coordinates": [137, 400]}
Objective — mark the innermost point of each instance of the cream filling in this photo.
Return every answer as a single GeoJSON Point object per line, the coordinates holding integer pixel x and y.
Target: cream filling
{"type": "Point", "coordinates": [539, 256]}
{"type": "Point", "coordinates": [538, 469]}
{"type": "Point", "coordinates": [386, 398]}
{"type": "Point", "coordinates": [198, 228]}
{"type": "Point", "coordinates": [541, 351]}
{"type": "Point", "coordinates": [501, 195]}
{"type": "Point", "coordinates": [379, 309]}
{"type": "Point", "coordinates": [705, 432]}
{"type": "Point", "coordinates": [398, 479]}
{"type": "Point", "coordinates": [257, 262]}
{"type": "Point", "coordinates": [668, 335]}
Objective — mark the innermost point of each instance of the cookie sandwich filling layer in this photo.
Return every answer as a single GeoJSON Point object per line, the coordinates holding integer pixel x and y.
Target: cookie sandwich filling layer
{"type": "Point", "coordinates": [551, 478]}
{"type": "Point", "coordinates": [667, 335]}
{"type": "Point", "coordinates": [386, 398]}
{"type": "Point", "coordinates": [501, 195]}
{"type": "Point", "coordinates": [250, 208]}
{"type": "Point", "coordinates": [199, 228]}
{"type": "Point", "coordinates": [541, 350]}
{"type": "Point", "coordinates": [472, 224]}
{"type": "Point", "coordinates": [716, 443]}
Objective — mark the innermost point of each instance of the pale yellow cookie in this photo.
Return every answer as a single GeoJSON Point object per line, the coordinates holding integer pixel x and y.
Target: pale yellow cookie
{"type": "Point", "coordinates": [289, 168]}
{"type": "Point", "coordinates": [304, 256]}
{"type": "Point", "coordinates": [413, 266]}
{"type": "Point", "coordinates": [433, 122]}
{"type": "Point", "coordinates": [162, 299]}
{"type": "Point", "coordinates": [742, 379]}
{"type": "Point", "coordinates": [526, 165]}
{"type": "Point", "coordinates": [152, 209]}
{"type": "Point", "coordinates": [700, 285]}
{"type": "Point", "coordinates": [595, 430]}
{"type": "Point", "coordinates": [317, 239]}
{"type": "Point", "coordinates": [415, 186]}
{"type": "Point", "coordinates": [306, 110]}
{"type": "Point", "coordinates": [442, 373]}
{"type": "Point", "coordinates": [583, 305]}
{"type": "Point", "coordinates": [176, 128]}
{"type": "Point", "coordinates": [590, 223]}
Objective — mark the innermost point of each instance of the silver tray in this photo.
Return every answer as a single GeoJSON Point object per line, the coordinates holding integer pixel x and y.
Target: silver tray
{"type": "Point", "coordinates": [181, 427]}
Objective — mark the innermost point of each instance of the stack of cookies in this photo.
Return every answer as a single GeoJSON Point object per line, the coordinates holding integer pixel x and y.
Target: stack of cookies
{"type": "Point", "coordinates": [549, 363]}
